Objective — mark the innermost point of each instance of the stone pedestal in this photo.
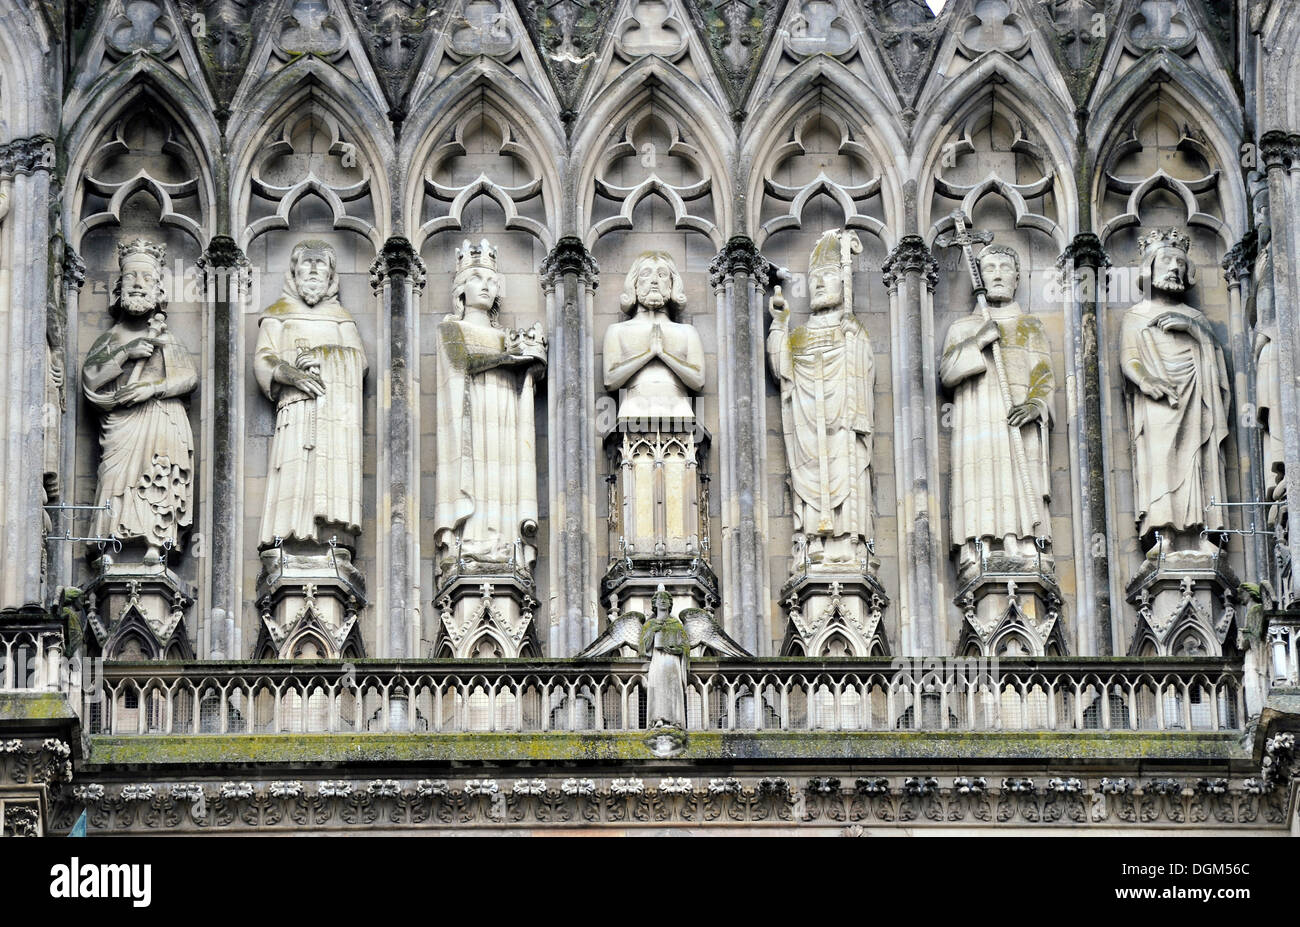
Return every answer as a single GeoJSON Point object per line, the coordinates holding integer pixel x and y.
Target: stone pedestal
{"type": "Point", "coordinates": [309, 598]}
{"type": "Point", "coordinates": [1010, 609]}
{"type": "Point", "coordinates": [1186, 606]}
{"type": "Point", "coordinates": [658, 522]}
{"type": "Point", "coordinates": [486, 612]}
{"type": "Point", "coordinates": [137, 611]}
{"type": "Point", "coordinates": [834, 614]}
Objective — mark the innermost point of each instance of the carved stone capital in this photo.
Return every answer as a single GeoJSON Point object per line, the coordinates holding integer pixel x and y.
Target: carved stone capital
{"type": "Point", "coordinates": [74, 269]}
{"type": "Point", "coordinates": [226, 270]}
{"type": "Point", "coordinates": [1277, 149]}
{"type": "Point", "coordinates": [1084, 251]}
{"type": "Point", "coordinates": [1240, 259]}
{"type": "Point", "coordinates": [397, 258]}
{"type": "Point", "coordinates": [222, 252]}
{"type": "Point", "coordinates": [740, 256]}
{"type": "Point", "coordinates": [26, 156]}
{"type": "Point", "coordinates": [910, 256]}
{"type": "Point", "coordinates": [569, 256]}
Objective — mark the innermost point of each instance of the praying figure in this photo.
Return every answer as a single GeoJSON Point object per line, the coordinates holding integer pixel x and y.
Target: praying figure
{"type": "Point", "coordinates": [657, 362]}
{"type": "Point", "coordinates": [1178, 400]}
{"type": "Point", "coordinates": [486, 477]}
{"type": "Point", "coordinates": [139, 375]}
{"type": "Point", "coordinates": [826, 375]}
{"type": "Point", "coordinates": [310, 362]}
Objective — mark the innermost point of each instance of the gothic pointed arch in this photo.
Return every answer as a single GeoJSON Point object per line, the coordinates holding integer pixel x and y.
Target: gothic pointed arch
{"type": "Point", "coordinates": [1048, 126]}
{"type": "Point", "coordinates": [652, 85]}
{"type": "Point", "coordinates": [866, 121]}
{"type": "Point", "coordinates": [1167, 83]}
{"type": "Point", "coordinates": [311, 90]}
{"type": "Point", "coordinates": [154, 93]}
{"type": "Point", "coordinates": [26, 104]}
{"type": "Point", "coordinates": [484, 97]}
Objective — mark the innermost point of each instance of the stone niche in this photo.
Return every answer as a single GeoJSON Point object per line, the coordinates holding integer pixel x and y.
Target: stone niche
{"type": "Point", "coordinates": [304, 599]}
{"type": "Point", "coordinates": [1177, 605]}
{"type": "Point", "coordinates": [843, 614]}
{"type": "Point", "coordinates": [137, 608]}
{"type": "Point", "coordinates": [1001, 602]}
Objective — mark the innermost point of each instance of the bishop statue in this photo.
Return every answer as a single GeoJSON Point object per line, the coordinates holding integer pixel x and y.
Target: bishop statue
{"type": "Point", "coordinates": [826, 375]}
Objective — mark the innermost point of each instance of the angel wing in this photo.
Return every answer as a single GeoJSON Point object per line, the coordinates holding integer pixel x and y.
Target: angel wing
{"type": "Point", "coordinates": [625, 632]}
{"type": "Point", "coordinates": [701, 629]}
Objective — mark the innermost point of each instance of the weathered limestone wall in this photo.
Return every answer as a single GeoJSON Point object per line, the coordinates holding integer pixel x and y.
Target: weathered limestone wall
{"type": "Point", "coordinates": [693, 129]}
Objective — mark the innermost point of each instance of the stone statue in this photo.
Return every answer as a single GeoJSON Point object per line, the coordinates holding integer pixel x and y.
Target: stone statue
{"type": "Point", "coordinates": [826, 377]}
{"type": "Point", "coordinates": [657, 363]}
{"type": "Point", "coordinates": [310, 362]}
{"type": "Point", "coordinates": [663, 639]}
{"type": "Point", "coordinates": [990, 502]}
{"type": "Point", "coordinates": [1178, 400]}
{"type": "Point", "coordinates": [138, 374]}
{"type": "Point", "coordinates": [487, 459]}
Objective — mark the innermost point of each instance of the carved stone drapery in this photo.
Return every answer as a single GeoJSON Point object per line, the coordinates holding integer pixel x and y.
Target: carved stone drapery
{"type": "Point", "coordinates": [1178, 400]}
{"type": "Point", "coordinates": [139, 375]}
{"type": "Point", "coordinates": [826, 375]}
{"type": "Point", "coordinates": [310, 363]}
{"type": "Point", "coordinates": [569, 275]}
{"type": "Point", "coordinates": [486, 514]}
{"type": "Point", "coordinates": [740, 275]}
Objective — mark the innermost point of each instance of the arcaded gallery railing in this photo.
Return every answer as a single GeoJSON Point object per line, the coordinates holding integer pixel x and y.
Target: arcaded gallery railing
{"type": "Point", "coordinates": [772, 695]}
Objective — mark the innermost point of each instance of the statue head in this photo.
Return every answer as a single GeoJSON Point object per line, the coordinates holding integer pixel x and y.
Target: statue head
{"type": "Point", "coordinates": [477, 284]}
{"type": "Point", "coordinates": [1000, 270]}
{"type": "Point", "coordinates": [1166, 265]}
{"type": "Point", "coordinates": [313, 271]}
{"type": "Point", "coordinates": [139, 289]}
{"type": "Point", "coordinates": [1258, 185]}
{"type": "Point", "coordinates": [826, 272]}
{"type": "Point", "coordinates": [653, 283]}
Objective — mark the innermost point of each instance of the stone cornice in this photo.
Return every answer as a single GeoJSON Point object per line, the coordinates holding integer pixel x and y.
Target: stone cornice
{"type": "Point", "coordinates": [910, 256]}
{"type": "Point", "coordinates": [26, 156]}
{"type": "Point", "coordinates": [740, 256]}
{"type": "Point", "coordinates": [569, 256]}
{"type": "Point", "coordinates": [920, 799]}
{"type": "Point", "coordinates": [397, 258]}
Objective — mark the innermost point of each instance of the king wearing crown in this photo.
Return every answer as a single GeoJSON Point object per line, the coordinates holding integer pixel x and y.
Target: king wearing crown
{"type": "Point", "coordinates": [827, 408]}
{"type": "Point", "coordinates": [138, 375]}
{"type": "Point", "coordinates": [1178, 399]}
{"type": "Point", "coordinates": [487, 446]}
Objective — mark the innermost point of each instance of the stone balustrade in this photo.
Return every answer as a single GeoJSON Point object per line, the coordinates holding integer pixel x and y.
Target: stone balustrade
{"type": "Point", "coordinates": [527, 696]}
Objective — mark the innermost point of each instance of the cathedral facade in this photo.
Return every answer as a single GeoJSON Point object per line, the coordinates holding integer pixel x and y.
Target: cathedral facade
{"type": "Point", "coordinates": [789, 416]}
